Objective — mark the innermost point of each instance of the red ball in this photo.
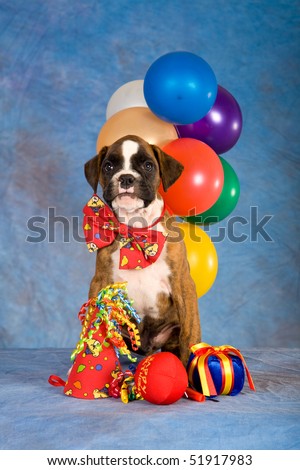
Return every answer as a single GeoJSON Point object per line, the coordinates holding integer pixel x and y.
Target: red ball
{"type": "Point", "coordinates": [161, 378]}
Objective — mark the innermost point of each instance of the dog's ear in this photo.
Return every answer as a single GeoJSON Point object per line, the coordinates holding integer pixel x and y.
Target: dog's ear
{"type": "Point", "coordinates": [92, 168]}
{"type": "Point", "coordinates": [170, 169]}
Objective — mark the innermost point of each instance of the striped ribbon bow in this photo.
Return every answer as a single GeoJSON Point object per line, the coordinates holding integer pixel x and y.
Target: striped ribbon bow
{"type": "Point", "coordinates": [201, 352]}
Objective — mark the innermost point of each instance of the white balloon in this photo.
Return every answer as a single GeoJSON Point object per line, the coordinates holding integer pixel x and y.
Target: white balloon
{"type": "Point", "coordinates": [130, 95]}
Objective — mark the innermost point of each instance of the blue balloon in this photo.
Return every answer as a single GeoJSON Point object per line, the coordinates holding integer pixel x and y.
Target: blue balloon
{"type": "Point", "coordinates": [180, 87]}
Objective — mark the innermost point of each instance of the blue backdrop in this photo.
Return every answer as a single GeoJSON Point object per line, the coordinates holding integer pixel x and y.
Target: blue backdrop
{"type": "Point", "coordinates": [61, 62]}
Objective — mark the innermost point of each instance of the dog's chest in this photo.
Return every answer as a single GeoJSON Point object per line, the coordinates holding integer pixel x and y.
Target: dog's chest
{"type": "Point", "coordinates": [144, 285]}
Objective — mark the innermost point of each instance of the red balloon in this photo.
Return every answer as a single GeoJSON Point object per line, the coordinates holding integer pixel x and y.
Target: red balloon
{"type": "Point", "coordinates": [201, 181]}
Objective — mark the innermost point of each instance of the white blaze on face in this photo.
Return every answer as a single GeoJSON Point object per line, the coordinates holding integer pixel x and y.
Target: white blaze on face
{"type": "Point", "coordinates": [124, 201]}
{"type": "Point", "coordinates": [129, 148]}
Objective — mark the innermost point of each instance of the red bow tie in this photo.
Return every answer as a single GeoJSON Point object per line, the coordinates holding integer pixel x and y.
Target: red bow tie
{"type": "Point", "coordinates": [139, 247]}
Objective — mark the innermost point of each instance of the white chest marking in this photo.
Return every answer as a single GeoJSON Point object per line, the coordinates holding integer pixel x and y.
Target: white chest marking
{"type": "Point", "coordinates": [144, 285]}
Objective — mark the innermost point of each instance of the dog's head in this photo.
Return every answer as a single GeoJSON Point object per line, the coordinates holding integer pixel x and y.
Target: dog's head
{"type": "Point", "coordinates": [130, 171]}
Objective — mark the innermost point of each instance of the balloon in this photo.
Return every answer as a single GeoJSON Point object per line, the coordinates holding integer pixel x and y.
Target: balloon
{"type": "Point", "coordinates": [136, 121]}
{"type": "Point", "coordinates": [201, 181]}
{"type": "Point", "coordinates": [227, 201]}
{"type": "Point", "coordinates": [221, 127]}
{"type": "Point", "coordinates": [130, 95]}
{"type": "Point", "coordinates": [180, 87]}
{"type": "Point", "coordinates": [202, 257]}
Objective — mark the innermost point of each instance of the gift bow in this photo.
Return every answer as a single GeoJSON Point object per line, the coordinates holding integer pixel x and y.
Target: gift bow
{"type": "Point", "coordinates": [202, 351]}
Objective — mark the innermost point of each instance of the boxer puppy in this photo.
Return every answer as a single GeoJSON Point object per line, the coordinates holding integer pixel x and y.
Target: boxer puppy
{"type": "Point", "coordinates": [130, 172]}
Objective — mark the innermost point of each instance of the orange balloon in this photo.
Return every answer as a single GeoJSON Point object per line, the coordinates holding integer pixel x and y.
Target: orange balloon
{"type": "Point", "coordinates": [201, 181]}
{"type": "Point", "coordinates": [136, 121]}
{"type": "Point", "coordinates": [202, 256]}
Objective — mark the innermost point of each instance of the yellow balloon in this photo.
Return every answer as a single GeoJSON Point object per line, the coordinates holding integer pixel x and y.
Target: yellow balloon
{"type": "Point", "coordinates": [136, 121]}
{"type": "Point", "coordinates": [202, 257]}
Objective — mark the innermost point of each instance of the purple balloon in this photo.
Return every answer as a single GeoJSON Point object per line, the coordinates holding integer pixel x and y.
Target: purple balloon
{"type": "Point", "coordinates": [222, 125]}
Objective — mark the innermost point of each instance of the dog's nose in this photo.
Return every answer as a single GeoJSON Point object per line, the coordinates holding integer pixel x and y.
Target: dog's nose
{"type": "Point", "coordinates": [126, 181]}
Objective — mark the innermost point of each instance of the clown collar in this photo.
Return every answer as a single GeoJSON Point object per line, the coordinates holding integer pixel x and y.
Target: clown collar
{"type": "Point", "coordinates": [139, 247]}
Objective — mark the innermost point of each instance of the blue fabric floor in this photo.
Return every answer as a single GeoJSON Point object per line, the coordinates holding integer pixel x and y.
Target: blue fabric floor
{"type": "Point", "coordinates": [35, 415]}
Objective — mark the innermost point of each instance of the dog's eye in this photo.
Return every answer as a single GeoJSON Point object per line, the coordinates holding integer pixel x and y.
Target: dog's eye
{"type": "Point", "coordinates": [108, 166]}
{"type": "Point", "coordinates": [148, 166]}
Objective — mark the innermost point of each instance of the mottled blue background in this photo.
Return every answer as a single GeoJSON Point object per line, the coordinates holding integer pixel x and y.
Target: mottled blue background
{"type": "Point", "coordinates": [61, 61]}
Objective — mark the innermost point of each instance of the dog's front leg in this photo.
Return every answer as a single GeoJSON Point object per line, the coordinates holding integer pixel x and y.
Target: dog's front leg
{"type": "Point", "coordinates": [185, 301]}
{"type": "Point", "coordinates": [190, 332]}
{"type": "Point", "coordinates": [103, 274]}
